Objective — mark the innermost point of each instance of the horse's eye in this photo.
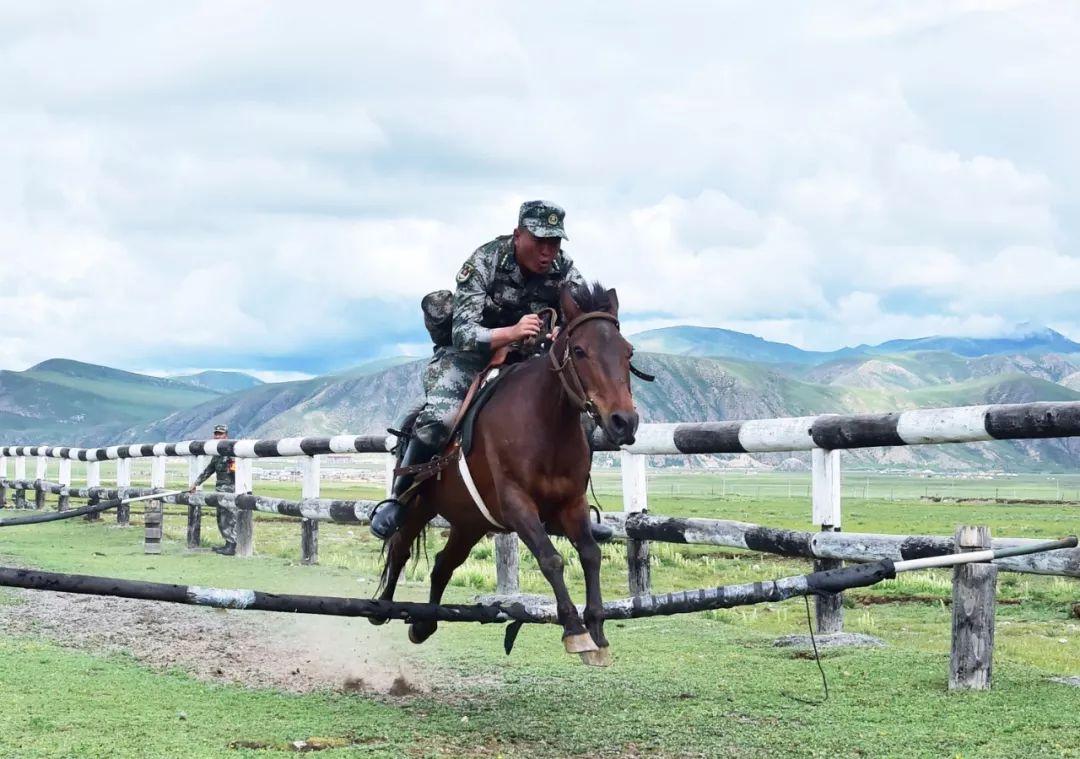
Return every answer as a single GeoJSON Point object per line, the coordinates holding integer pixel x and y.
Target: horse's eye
{"type": "Point", "coordinates": [579, 352]}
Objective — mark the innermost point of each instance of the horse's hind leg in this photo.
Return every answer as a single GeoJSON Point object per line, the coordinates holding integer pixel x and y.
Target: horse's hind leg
{"type": "Point", "coordinates": [522, 517]}
{"type": "Point", "coordinates": [575, 524]}
{"type": "Point", "coordinates": [399, 550]}
{"type": "Point", "coordinates": [451, 557]}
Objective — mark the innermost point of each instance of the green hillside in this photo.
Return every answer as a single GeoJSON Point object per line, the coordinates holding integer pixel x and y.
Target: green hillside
{"type": "Point", "coordinates": [65, 399]}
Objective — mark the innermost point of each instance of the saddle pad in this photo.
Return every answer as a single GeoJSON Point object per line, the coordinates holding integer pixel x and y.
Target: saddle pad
{"type": "Point", "coordinates": [483, 395]}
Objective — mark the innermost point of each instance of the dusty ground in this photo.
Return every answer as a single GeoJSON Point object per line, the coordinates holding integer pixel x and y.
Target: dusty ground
{"type": "Point", "coordinates": [254, 649]}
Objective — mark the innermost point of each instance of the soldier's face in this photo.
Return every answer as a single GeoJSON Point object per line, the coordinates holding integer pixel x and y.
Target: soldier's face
{"type": "Point", "coordinates": [535, 254]}
{"type": "Point", "coordinates": [219, 436]}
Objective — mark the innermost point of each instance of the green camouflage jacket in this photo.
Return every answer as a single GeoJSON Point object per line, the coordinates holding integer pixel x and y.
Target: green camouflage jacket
{"type": "Point", "coordinates": [492, 292]}
{"type": "Point", "coordinates": [224, 467]}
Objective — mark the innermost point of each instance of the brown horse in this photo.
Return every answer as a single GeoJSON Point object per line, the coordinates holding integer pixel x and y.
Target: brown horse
{"type": "Point", "coordinates": [530, 463]}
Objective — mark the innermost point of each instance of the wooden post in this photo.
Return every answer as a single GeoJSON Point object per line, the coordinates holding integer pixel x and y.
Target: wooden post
{"type": "Point", "coordinates": [64, 479]}
{"type": "Point", "coordinates": [93, 480]}
{"type": "Point", "coordinates": [635, 501]}
{"type": "Point", "coordinates": [974, 589]}
{"type": "Point", "coordinates": [153, 517]}
{"type": "Point", "coordinates": [42, 474]}
{"type": "Point", "coordinates": [194, 513]}
{"type": "Point", "coordinates": [507, 564]}
{"type": "Point", "coordinates": [245, 524]}
{"type": "Point", "coordinates": [310, 467]}
{"type": "Point", "coordinates": [3, 476]}
{"type": "Point", "coordinates": [123, 480]}
{"type": "Point", "coordinates": [826, 483]}
{"type": "Point", "coordinates": [20, 474]}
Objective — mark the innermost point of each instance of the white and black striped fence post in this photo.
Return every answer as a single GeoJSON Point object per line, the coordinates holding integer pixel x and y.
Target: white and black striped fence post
{"type": "Point", "coordinates": [194, 513]}
{"type": "Point", "coordinates": [825, 479]}
{"type": "Point", "coordinates": [245, 522]}
{"type": "Point", "coordinates": [635, 501]}
{"type": "Point", "coordinates": [41, 475]}
{"type": "Point", "coordinates": [64, 479]}
{"type": "Point", "coordinates": [20, 474]}
{"type": "Point", "coordinates": [153, 514]}
{"type": "Point", "coordinates": [310, 469]}
{"type": "Point", "coordinates": [974, 590]}
{"type": "Point", "coordinates": [3, 476]}
{"type": "Point", "coordinates": [123, 481]}
{"type": "Point", "coordinates": [93, 480]}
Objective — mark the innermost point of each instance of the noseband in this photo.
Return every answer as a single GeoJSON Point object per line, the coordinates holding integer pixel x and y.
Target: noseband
{"type": "Point", "coordinates": [567, 369]}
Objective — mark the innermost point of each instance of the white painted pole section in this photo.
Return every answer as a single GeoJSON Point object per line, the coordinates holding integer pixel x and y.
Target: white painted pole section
{"type": "Point", "coordinates": [391, 464]}
{"type": "Point", "coordinates": [310, 470]}
{"type": "Point", "coordinates": [635, 491]}
{"type": "Point", "coordinates": [194, 469]}
{"type": "Point", "coordinates": [157, 472]}
{"type": "Point", "coordinates": [42, 468]}
{"type": "Point", "coordinates": [20, 467]}
{"type": "Point", "coordinates": [825, 474]}
{"type": "Point", "coordinates": [93, 474]}
{"type": "Point", "coordinates": [3, 467]}
{"type": "Point", "coordinates": [825, 508]}
{"type": "Point", "coordinates": [245, 524]}
{"type": "Point", "coordinates": [636, 500]}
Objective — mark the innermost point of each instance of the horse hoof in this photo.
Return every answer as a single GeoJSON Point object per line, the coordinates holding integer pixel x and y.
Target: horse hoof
{"type": "Point", "coordinates": [579, 644]}
{"type": "Point", "coordinates": [419, 635]}
{"type": "Point", "coordinates": [601, 657]}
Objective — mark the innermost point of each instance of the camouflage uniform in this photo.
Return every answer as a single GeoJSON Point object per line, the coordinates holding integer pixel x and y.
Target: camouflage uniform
{"type": "Point", "coordinates": [492, 291]}
{"type": "Point", "coordinates": [224, 469]}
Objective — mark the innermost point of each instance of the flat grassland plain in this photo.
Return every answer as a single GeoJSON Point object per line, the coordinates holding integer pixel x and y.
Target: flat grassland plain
{"type": "Point", "coordinates": [201, 682]}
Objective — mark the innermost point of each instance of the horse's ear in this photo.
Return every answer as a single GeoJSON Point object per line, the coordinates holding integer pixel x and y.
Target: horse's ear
{"type": "Point", "coordinates": [569, 307]}
{"type": "Point", "coordinates": [613, 299]}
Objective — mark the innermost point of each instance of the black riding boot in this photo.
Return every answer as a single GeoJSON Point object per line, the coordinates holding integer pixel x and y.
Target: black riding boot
{"type": "Point", "coordinates": [389, 514]}
{"type": "Point", "coordinates": [229, 549]}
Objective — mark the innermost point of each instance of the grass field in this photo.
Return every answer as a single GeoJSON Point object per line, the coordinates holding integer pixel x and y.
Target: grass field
{"type": "Point", "coordinates": [707, 684]}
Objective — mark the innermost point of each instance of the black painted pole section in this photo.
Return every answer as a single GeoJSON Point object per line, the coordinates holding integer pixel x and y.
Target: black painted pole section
{"type": "Point", "coordinates": [309, 541]}
{"type": "Point", "coordinates": [194, 526]}
{"type": "Point", "coordinates": [92, 514]}
{"type": "Point", "coordinates": [3, 496]}
{"type": "Point", "coordinates": [39, 499]}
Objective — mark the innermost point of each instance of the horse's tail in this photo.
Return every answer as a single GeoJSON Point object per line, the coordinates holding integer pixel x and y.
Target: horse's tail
{"type": "Point", "coordinates": [419, 544]}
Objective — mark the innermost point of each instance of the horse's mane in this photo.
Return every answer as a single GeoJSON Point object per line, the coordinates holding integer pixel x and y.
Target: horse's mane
{"type": "Point", "coordinates": [592, 297]}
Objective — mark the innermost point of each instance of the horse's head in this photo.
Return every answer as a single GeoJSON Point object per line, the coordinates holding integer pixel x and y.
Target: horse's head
{"type": "Point", "coordinates": [593, 359]}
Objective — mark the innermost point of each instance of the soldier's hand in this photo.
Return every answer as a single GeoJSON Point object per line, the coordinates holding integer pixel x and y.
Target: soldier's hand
{"type": "Point", "coordinates": [529, 326]}
{"type": "Point", "coordinates": [192, 489]}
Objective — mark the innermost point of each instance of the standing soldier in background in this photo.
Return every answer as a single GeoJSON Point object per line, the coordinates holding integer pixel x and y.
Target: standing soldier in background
{"type": "Point", "coordinates": [224, 468]}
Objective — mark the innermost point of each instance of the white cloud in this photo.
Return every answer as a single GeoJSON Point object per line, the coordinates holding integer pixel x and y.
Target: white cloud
{"type": "Point", "coordinates": [219, 182]}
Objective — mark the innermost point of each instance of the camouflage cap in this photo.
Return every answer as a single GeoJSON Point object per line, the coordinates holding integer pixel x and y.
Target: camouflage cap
{"type": "Point", "coordinates": [221, 428]}
{"type": "Point", "coordinates": [542, 218]}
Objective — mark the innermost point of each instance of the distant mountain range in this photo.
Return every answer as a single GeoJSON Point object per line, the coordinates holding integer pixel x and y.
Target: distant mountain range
{"type": "Point", "coordinates": [219, 382]}
{"type": "Point", "coordinates": [81, 404]}
{"type": "Point", "coordinates": [713, 341]}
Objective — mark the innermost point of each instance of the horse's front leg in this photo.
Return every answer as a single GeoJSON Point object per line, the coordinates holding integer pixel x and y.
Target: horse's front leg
{"type": "Point", "coordinates": [521, 515]}
{"type": "Point", "coordinates": [452, 556]}
{"type": "Point", "coordinates": [574, 521]}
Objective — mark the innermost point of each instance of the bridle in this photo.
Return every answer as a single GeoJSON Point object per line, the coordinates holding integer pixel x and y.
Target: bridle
{"type": "Point", "coordinates": [567, 369]}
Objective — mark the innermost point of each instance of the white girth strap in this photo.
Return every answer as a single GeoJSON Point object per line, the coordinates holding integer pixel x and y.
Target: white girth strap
{"type": "Point", "coordinates": [466, 477]}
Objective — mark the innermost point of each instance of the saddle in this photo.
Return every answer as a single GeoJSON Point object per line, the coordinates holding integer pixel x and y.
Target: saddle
{"type": "Point", "coordinates": [460, 439]}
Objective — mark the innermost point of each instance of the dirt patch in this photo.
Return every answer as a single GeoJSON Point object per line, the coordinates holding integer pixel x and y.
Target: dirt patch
{"type": "Point", "coordinates": [288, 652]}
{"type": "Point", "coordinates": [864, 600]}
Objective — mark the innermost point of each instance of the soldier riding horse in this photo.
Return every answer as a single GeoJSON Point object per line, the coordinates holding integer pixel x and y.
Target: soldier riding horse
{"type": "Point", "coordinates": [523, 461]}
{"type": "Point", "coordinates": [528, 466]}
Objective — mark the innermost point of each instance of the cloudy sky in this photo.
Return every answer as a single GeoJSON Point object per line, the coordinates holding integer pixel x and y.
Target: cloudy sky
{"type": "Point", "coordinates": [273, 186]}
